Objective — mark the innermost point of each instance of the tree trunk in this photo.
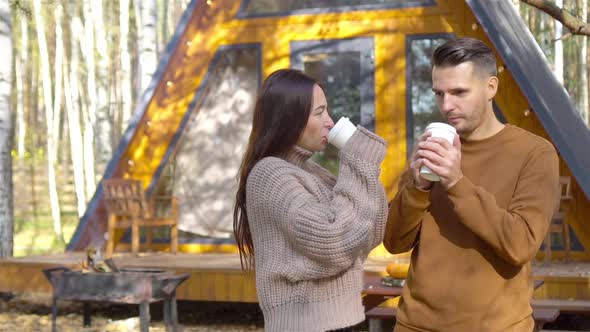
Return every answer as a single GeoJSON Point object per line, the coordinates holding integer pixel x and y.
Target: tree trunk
{"type": "Point", "coordinates": [545, 28]}
{"type": "Point", "coordinates": [87, 46]}
{"type": "Point", "coordinates": [21, 70]}
{"type": "Point", "coordinates": [58, 85]}
{"type": "Point", "coordinates": [6, 133]}
{"type": "Point", "coordinates": [72, 102]}
{"type": "Point", "coordinates": [558, 55]}
{"type": "Point", "coordinates": [147, 42]}
{"type": "Point", "coordinates": [125, 72]}
{"type": "Point", "coordinates": [78, 153]}
{"type": "Point", "coordinates": [103, 127]}
{"type": "Point", "coordinates": [46, 81]}
{"type": "Point", "coordinates": [75, 133]}
{"type": "Point", "coordinates": [88, 150]}
{"type": "Point", "coordinates": [165, 31]}
{"type": "Point", "coordinates": [33, 107]}
{"type": "Point", "coordinates": [583, 106]}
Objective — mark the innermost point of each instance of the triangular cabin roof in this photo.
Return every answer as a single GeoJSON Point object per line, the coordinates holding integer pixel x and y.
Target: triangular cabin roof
{"type": "Point", "coordinates": [547, 97]}
{"type": "Point", "coordinates": [175, 101]}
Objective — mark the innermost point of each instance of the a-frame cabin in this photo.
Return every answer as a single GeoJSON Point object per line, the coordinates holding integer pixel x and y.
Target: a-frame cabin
{"type": "Point", "coordinates": [191, 125]}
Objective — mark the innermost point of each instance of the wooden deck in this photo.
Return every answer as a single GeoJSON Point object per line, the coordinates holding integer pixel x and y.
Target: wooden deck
{"type": "Point", "coordinates": [563, 281]}
{"type": "Point", "coordinates": [218, 276]}
{"type": "Point", "coordinates": [214, 276]}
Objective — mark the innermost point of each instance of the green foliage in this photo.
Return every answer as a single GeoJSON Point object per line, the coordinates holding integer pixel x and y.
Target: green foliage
{"type": "Point", "coordinates": [21, 7]}
{"type": "Point", "coordinates": [35, 236]}
{"type": "Point", "coordinates": [38, 155]}
{"type": "Point", "coordinates": [424, 109]}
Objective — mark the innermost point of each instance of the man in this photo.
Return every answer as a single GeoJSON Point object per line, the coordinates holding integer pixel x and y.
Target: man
{"type": "Point", "coordinates": [475, 232]}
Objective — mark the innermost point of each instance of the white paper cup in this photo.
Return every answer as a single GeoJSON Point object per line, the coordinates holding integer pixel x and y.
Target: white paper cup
{"type": "Point", "coordinates": [341, 132]}
{"type": "Point", "coordinates": [437, 129]}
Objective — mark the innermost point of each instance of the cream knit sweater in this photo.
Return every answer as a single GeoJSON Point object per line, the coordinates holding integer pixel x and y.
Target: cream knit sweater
{"type": "Point", "coordinates": [312, 234]}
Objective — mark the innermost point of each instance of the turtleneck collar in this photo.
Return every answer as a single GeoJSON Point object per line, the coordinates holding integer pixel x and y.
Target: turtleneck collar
{"type": "Point", "coordinates": [298, 155]}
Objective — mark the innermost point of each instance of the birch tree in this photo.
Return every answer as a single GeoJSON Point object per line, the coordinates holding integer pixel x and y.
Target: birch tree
{"type": "Point", "coordinates": [164, 19]}
{"type": "Point", "coordinates": [572, 61]}
{"type": "Point", "coordinates": [58, 84]}
{"type": "Point", "coordinates": [146, 16]}
{"type": "Point", "coordinates": [583, 105]}
{"type": "Point", "coordinates": [125, 72]}
{"type": "Point", "coordinates": [558, 53]}
{"type": "Point", "coordinates": [89, 111]}
{"type": "Point", "coordinates": [72, 102]}
{"type": "Point", "coordinates": [20, 75]}
{"type": "Point", "coordinates": [48, 107]}
{"type": "Point", "coordinates": [575, 24]}
{"type": "Point", "coordinates": [73, 117]}
{"type": "Point", "coordinates": [6, 133]}
{"type": "Point", "coordinates": [103, 127]}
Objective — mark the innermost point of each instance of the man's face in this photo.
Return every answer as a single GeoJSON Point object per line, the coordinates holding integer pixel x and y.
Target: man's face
{"type": "Point", "coordinates": [462, 94]}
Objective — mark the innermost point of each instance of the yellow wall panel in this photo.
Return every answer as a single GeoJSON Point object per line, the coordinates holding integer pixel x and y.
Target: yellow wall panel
{"type": "Point", "coordinates": [213, 26]}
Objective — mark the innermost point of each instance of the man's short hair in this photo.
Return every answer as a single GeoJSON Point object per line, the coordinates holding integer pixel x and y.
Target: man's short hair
{"type": "Point", "coordinates": [457, 51]}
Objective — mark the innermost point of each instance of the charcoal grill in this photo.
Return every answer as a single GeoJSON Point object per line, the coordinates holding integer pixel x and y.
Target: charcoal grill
{"type": "Point", "coordinates": [130, 286]}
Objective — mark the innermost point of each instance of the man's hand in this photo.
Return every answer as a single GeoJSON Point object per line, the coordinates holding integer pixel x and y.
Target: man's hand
{"type": "Point", "coordinates": [417, 162]}
{"type": "Point", "coordinates": [442, 158]}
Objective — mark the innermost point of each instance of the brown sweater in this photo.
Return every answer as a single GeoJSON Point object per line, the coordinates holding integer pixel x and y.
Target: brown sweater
{"type": "Point", "coordinates": [470, 268]}
{"type": "Point", "coordinates": [312, 234]}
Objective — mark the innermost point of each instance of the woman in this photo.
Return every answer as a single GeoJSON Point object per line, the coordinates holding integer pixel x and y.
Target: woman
{"type": "Point", "coordinates": [306, 233]}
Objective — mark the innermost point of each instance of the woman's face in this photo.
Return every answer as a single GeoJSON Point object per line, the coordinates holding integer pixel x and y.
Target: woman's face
{"type": "Point", "coordinates": [315, 135]}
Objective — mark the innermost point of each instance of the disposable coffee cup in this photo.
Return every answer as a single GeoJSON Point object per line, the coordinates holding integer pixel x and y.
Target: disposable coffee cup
{"type": "Point", "coordinates": [437, 129]}
{"type": "Point", "coordinates": [341, 132]}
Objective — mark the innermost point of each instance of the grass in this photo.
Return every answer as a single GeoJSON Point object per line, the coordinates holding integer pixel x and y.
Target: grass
{"type": "Point", "coordinates": [34, 235]}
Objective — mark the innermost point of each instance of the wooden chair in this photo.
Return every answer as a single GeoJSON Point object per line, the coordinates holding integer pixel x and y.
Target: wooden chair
{"type": "Point", "coordinates": [558, 221]}
{"type": "Point", "coordinates": [127, 207]}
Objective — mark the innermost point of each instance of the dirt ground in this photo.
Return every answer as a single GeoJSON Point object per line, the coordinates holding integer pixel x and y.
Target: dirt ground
{"type": "Point", "coordinates": [32, 313]}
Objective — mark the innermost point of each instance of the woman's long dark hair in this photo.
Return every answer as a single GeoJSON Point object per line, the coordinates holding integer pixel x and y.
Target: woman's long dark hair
{"type": "Point", "coordinates": [280, 115]}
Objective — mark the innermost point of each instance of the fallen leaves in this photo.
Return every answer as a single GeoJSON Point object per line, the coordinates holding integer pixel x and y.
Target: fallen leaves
{"type": "Point", "coordinates": [32, 313]}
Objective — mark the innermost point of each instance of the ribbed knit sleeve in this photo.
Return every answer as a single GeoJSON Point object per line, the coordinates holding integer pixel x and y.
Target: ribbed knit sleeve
{"type": "Point", "coordinates": [374, 155]}
{"type": "Point", "coordinates": [326, 235]}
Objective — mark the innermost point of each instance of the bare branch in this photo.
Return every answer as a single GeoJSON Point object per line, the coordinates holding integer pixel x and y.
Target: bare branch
{"type": "Point", "coordinates": [574, 24]}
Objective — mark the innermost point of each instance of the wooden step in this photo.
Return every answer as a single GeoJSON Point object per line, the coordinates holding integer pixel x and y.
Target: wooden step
{"type": "Point", "coordinates": [381, 313]}
{"type": "Point", "coordinates": [573, 306]}
{"type": "Point", "coordinates": [540, 315]}
{"type": "Point", "coordinates": [545, 315]}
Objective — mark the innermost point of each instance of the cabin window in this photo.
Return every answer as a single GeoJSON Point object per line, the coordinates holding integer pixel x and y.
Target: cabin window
{"type": "Point", "coordinates": [202, 171]}
{"type": "Point", "coordinates": [342, 87]}
{"type": "Point", "coordinates": [345, 69]}
{"type": "Point", "coordinates": [292, 7]}
{"type": "Point", "coordinates": [421, 104]}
